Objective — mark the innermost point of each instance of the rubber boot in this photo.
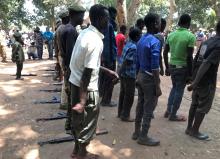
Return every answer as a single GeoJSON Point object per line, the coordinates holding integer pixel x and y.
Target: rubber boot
{"type": "Point", "coordinates": [137, 131]}
{"type": "Point", "coordinates": [191, 118]}
{"type": "Point", "coordinates": [195, 129]}
{"type": "Point", "coordinates": [143, 138]}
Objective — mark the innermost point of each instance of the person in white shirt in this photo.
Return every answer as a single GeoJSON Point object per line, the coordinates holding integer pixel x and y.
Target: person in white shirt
{"type": "Point", "coordinates": [85, 66]}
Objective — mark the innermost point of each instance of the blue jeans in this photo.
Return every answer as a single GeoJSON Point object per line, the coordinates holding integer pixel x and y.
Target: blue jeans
{"type": "Point", "coordinates": [178, 77]}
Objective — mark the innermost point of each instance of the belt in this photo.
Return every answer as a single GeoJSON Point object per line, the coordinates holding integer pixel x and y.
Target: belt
{"type": "Point", "coordinates": [175, 66]}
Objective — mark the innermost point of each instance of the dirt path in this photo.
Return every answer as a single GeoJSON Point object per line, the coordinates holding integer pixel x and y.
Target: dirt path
{"type": "Point", "coordinates": [19, 132]}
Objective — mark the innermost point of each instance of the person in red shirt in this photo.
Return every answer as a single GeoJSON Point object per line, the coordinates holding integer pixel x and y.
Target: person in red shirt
{"type": "Point", "coordinates": [120, 42]}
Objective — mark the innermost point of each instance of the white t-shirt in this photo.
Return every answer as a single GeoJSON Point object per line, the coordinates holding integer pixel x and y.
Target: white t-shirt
{"type": "Point", "coordinates": [87, 54]}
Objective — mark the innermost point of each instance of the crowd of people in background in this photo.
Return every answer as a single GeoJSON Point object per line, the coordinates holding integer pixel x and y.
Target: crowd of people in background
{"type": "Point", "coordinates": [88, 62]}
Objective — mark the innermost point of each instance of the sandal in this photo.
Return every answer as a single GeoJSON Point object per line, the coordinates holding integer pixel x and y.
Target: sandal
{"type": "Point", "coordinates": [177, 118]}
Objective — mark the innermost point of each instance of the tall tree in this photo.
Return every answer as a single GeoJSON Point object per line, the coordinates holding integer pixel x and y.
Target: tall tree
{"type": "Point", "coordinates": [132, 11]}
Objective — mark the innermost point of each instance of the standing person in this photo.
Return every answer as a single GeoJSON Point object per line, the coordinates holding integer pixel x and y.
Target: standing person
{"type": "Point", "coordinates": [39, 42]}
{"type": "Point", "coordinates": [180, 43]}
{"type": "Point", "coordinates": [68, 38]}
{"type": "Point", "coordinates": [161, 37]}
{"type": "Point", "coordinates": [127, 75]}
{"type": "Point", "coordinates": [18, 54]}
{"type": "Point", "coordinates": [120, 42]}
{"type": "Point", "coordinates": [64, 16]}
{"type": "Point", "coordinates": [140, 24]}
{"type": "Point", "coordinates": [148, 80]}
{"type": "Point", "coordinates": [48, 36]}
{"type": "Point", "coordinates": [2, 50]}
{"type": "Point", "coordinates": [85, 65]}
{"type": "Point", "coordinates": [203, 86]}
{"type": "Point", "coordinates": [108, 60]}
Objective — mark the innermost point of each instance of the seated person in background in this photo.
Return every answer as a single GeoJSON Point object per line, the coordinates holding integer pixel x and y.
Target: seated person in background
{"type": "Point", "coordinates": [32, 51]}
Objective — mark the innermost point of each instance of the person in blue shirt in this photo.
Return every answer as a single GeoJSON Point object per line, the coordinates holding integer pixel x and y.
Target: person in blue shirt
{"type": "Point", "coordinates": [127, 75]}
{"type": "Point", "coordinates": [48, 36]}
{"type": "Point", "coordinates": [148, 81]}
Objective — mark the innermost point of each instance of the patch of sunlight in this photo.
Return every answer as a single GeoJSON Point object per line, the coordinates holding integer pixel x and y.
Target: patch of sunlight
{"type": "Point", "coordinates": [125, 152]}
{"type": "Point", "coordinates": [35, 81]}
{"type": "Point", "coordinates": [4, 111]}
{"type": "Point", "coordinates": [99, 148]}
{"type": "Point", "coordinates": [218, 84]}
{"type": "Point", "coordinates": [32, 154]}
{"type": "Point", "coordinates": [19, 132]}
{"type": "Point", "coordinates": [2, 142]}
{"type": "Point", "coordinates": [11, 90]}
{"type": "Point", "coordinates": [25, 132]}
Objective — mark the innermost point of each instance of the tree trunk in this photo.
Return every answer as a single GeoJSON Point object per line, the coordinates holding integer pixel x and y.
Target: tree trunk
{"type": "Point", "coordinates": [132, 11]}
{"type": "Point", "coordinates": [121, 14]}
{"type": "Point", "coordinates": [172, 9]}
{"type": "Point", "coordinates": [53, 21]}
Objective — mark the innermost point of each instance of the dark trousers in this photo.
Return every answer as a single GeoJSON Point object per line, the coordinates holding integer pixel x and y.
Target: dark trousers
{"type": "Point", "coordinates": [84, 124]}
{"type": "Point", "coordinates": [126, 97]}
{"type": "Point", "coordinates": [147, 100]}
{"type": "Point", "coordinates": [40, 51]}
{"type": "Point", "coordinates": [105, 86]}
{"type": "Point", "coordinates": [19, 69]}
{"type": "Point", "coordinates": [178, 77]}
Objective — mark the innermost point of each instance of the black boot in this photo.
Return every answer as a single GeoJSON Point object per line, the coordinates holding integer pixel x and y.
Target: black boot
{"type": "Point", "coordinates": [137, 131]}
{"type": "Point", "coordinates": [191, 118]}
{"type": "Point", "coordinates": [195, 129]}
{"type": "Point", "coordinates": [143, 138]}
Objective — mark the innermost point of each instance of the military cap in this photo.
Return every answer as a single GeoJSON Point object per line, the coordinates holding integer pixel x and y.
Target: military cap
{"type": "Point", "coordinates": [17, 35]}
{"type": "Point", "coordinates": [76, 8]}
{"type": "Point", "coordinates": [63, 14]}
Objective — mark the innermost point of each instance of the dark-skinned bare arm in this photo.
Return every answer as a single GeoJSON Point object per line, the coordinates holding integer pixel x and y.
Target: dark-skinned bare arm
{"type": "Point", "coordinates": [84, 83]}
{"type": "Point", "coordinates": [165, 57]}
{"type": "Point", "coordinates": [190, 60]}
{"type": "Point", "coordinates": [156, 75]}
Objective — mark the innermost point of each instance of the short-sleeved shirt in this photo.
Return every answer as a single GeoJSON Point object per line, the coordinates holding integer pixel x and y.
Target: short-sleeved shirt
{"type": "Point", "coordinates": [179, 41]}
{"type": "Point", "coordinates": [120, 42]}
{"type": "Point", "coordinates": [130, 55]}
{"type": "Point", "coordinates": [208, 52]}
{"type": "Point", "coordinates": [148, 53]}
{"type": "Point", "coordinates": [87, 54]}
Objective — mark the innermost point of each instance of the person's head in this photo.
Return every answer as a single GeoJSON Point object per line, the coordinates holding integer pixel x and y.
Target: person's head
{"type": "Point", "coordinates": [112, 12]}
{"type": "Point", "coordinates": [184, 21]}
{"type": "Point", "coordinates": [218, 28]}
{"type": "Point", "coordinates": [17, 37]}
{"type": "Point", "coordinates": [64, 16]}
{"type": "Point", "coordinates": [152, 23]}
{"type": "Point", "coordinates": [47, 28]}
{"type": "Point", "coordinates": [140, 23]}
{"type": "Point", "coordinates": [163, 25]}
{"type": "Point", "coordinates": [123, 29]}
{"type": "Point", "coordinates": [37, 30]}
{"type": "Point", "coordinates": [134, 34]}
{"type": "Point", "coordinates": [76, 14]}
{"type": "Point", "coordinates": [32, 43]}
{"type": "Point", "coordinates": [99, 16]}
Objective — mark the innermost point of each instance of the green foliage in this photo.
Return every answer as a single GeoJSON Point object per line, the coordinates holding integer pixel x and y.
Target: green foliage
{"type": "Point", "coordinates": [107, 3]}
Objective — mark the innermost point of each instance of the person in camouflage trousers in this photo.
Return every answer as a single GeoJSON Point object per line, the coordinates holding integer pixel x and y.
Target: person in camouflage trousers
{"type": "Point", "coordinates": [18, 54]}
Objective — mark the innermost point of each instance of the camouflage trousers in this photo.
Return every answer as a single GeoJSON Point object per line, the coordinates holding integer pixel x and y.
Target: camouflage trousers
{"type": "Point", "coordinates": [2, 53]}
{"type": "Point", "coordinates": [68, 93]}
{"type": "Point", "coordinates": [83, 125]}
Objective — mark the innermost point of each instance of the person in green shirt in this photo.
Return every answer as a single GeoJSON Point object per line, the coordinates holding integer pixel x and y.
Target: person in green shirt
{"type": "Point", "coordinates": [18, 54]}
{"type": "Point", "coordinates": [180, 44]}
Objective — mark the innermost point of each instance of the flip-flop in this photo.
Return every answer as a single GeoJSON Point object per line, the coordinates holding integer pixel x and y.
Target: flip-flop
{"type": "Point", "coordinates": [178, 118]}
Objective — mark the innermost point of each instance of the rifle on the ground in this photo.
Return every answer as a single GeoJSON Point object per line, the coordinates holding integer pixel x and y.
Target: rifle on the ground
{"type": "Point", "coordinates": [57, 117]}
{"type": "Point", "coordinates": [56, 140]}
{"type": "Point", "coordinates": [53, 101]}
{"type": "Point", "coordinates": [68, 138]}
{"type": "Point", "coordinates": [50, 90]}
{"type": "Point", "coordinates": [28, 74]}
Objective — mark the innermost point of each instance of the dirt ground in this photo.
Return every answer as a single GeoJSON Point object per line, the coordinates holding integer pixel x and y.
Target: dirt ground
{"type": "Point", "coordinates": [19, 132]}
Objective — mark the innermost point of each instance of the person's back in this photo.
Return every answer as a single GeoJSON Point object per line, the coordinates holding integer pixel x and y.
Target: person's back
{"type": "Point", "coordinates": [179, 41]}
